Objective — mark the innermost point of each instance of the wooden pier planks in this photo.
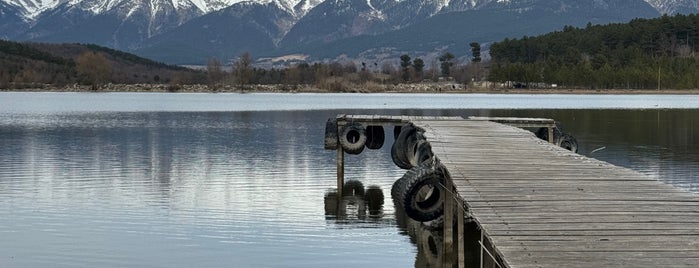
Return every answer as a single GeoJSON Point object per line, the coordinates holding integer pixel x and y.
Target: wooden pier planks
{"type": "Point", "coordinates": [543, 206]}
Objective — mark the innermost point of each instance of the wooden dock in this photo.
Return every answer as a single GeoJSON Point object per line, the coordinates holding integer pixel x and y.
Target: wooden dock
{"type": "Point", "coordinates": [539, 205]}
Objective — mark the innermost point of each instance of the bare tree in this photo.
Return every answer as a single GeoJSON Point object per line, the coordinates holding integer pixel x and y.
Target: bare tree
{"type": "Point", "coordinates": [93, 68]}
{"type": "Point", "coordinates": [293, 76]}
{"type": "Point", "coordinates": [214, 71]}
{"type": "Point", "coordinates": [242, 70]}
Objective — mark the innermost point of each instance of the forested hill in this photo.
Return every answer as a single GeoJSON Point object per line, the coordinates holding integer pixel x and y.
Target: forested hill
{"type": "Point", "coordinates": [639, 54]}
{"type": "Point", "coordinates": [33, 64]}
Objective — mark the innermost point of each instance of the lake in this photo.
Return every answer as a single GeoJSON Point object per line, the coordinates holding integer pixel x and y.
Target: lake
{"type": "Point", "coordinates": [238, 180]}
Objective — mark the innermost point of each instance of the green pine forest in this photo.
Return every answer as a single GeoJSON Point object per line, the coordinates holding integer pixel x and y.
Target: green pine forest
{"type": "Point", "coordinates": [643, 54]}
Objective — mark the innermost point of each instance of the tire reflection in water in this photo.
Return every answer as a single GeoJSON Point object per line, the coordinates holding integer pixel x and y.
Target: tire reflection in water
{"type": "Point", "coordinates": [429, 239]}
{"type": "Point", "coordinates": [358, 206]}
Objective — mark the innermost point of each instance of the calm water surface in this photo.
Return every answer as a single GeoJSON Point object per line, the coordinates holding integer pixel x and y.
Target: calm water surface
{"type": "Point", "coordinates": [208, 180]}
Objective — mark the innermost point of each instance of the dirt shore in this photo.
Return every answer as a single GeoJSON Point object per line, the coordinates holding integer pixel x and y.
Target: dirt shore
{"type": "Point", "coordinates": [372, 88]}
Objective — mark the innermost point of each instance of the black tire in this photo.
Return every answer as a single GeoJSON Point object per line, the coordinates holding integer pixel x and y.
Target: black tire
{"type": "Point", "coordinates": [353, 138]}
{"type": "Point", "coordinates": [396, 160]}
{"type": "Point", "coordinates": [543, 133]}
{"type": "Point", "coordinates": [424, 153]}
{"type": "Point", "coordinates": [353, 188]}
{"type": "Point", "coordinates": [331, 134]}
{"type": "Point", "coordinates": [411, 148]}
{"type": "Point", "coordinates": [374, 199]}
{"type": "Point", "coordinates": [399, 187]}
{"type": "Point", "coordinates": [375, 137]}
{"type": "Point", "coordinates": [423, 195]}
{"type": "Point", "coordinates": [404, 147]}
{"type": "Point", "coordinates": [568, 142]}
{"type": "Point", "coordinates": [431, 247]}
{"type": "Point", "coordinates": [396, 131]}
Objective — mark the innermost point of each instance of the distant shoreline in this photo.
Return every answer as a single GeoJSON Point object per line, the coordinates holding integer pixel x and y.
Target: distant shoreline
{"type": "Point", "coordinates": [374, 88]}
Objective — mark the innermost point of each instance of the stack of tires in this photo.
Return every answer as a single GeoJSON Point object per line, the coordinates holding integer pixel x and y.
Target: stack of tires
{"type": "Point", "coordinates": [560, 138]}
{"type": "Point", "coordinates": [410, 148]}
{"type": "Point", "coordinates": [420, 192]}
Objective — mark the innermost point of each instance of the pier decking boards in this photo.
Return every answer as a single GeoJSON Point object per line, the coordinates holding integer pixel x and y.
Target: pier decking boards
{"type": "Point", "coordinates": [540, 205]}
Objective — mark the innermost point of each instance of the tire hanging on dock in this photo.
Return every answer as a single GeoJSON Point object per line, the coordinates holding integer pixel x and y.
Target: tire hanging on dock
{"type": "Point", "coordinates": [568, 142]}
{"type": "Point", "coordinates": [396, 131]}
{"type": "Point", "coordinates": [398, 150]}
{"type": "Point", "coordinates": [375, 137]}
{"type": "Point", "coordinates": [353, 138]}
{"type": "Point", "coordinates": [403, 150]}
{"type": "Point", "coordinates": [331, 134]}
{"type": "Point", "coordinates": [422, 195]}
{"type": "Point", "coordinates": [560, 138]}
{"type": "Point", "coordinates": [411, 148]}
{"type": "Point", "coordinates": [424, 153]}
{"type": "Point", "coordinates": [396, 160]}
{"type": "Point", "coordinates": [543, 133]}
{"type": "Point", "coordinates": [398, 188]}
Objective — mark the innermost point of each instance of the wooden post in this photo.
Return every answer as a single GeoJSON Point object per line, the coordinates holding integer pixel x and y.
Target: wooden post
{"type": "Point", "coordinates": [448, 224]}
{"type": "Point", "coordinates": [340, 170]}
{"type": "Point", "coordinates": [551, 134]}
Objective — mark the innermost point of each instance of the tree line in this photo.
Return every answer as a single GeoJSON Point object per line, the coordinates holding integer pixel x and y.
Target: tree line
{"type": "Point", "coordinates": [641, 54]}
{"type": "Point", "coordinates": [30, 65]}
{"type": "Point", "coordinates": [338, 76]}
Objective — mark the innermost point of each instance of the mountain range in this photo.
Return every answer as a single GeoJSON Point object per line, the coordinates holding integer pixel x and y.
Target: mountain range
{"type": "Point", "coordinates": [192, 31]}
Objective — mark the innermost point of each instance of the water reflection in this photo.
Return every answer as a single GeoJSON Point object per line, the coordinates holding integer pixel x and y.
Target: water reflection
{"type": "Point", "coordinates": [356, 204]}
{"type": "Point", "coordinates": [133, 189]}
{"type": "Point", "coordinates": [244, 189]}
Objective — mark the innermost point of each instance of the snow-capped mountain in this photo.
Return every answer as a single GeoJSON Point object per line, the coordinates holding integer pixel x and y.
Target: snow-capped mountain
{"type": "Point", "coordinates": [188, 30]}
{"type": "Point", "coordinates": [121, 24]}
{"type": "Point", "coordinates": [675, 6]}
{"type": "Point", "coordinates": [12, 21]}
{"type": "Point", "coordinates": [245, 26]}
{"type": "Point", "coordinates": [31, 9]}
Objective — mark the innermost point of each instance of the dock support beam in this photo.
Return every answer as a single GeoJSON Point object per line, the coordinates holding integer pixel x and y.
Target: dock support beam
{"type": "Point", "coordinates": [551, 134]}
{"type": "Point", "coordinates": [460, 243]}
{"type": "Point", "coordinates": [448, 224]}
